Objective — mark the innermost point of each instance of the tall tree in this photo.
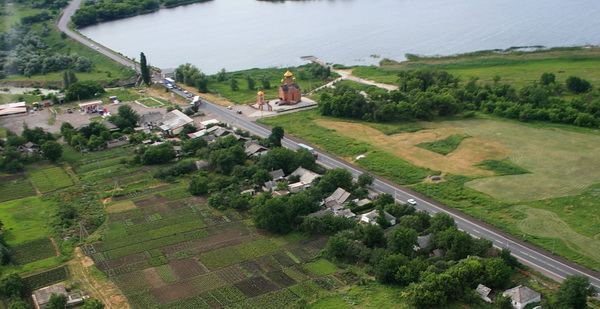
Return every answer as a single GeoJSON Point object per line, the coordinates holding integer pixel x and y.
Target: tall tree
{"type": "Point", "coordinates": [144, 69]}
{"type": "Point", "coordinates": [574, 291]}
{"type": "Point", "coordinates": [402, 240]}
{"type": "Point", "coordinates": [276, 136]}
{"type": "Point", "coordinates": [57, 301]}
{"type": "Point", "coordinates": [69, 78]}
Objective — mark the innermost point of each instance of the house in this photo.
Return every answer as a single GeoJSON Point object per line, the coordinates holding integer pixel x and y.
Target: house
{"type": "Point", "coordinates": [255, 150]}
{"type": "Point", "coordinates": [345, 213]}
{"type": "Point", "coordinates": [339, 197]}
{"type": "Point", "coordinates": [269, 186]}
{"type": "Point", "coordinates": [297, 187]}
{"type": "Point", "coordinates": [305, 175]}
{"type": "Point", "coordinates": [521, 296]}
{"type": "Point", "coordinates": [42, 296]}
{"type": "Point", "coordinates": [46, 103]}
{"type": "Point", "coordinates": [109, 125]}
{"type": "Point", "coordinates": [362, 202]}
{"type": "Point", "coordinates": [220, 132]}
{"type": "Point", "coordinates": [484, 293]}
{"type": "Point", "coordinates": [30, 147]}
{"type": "Point", "coordinates": [277, 175]}
{"type": "Point", "coordinates": [209, 138]}
{"type": "Point", "coordinates": [371, 217]}
{"type": "Point", "coordinates": [173, 122]}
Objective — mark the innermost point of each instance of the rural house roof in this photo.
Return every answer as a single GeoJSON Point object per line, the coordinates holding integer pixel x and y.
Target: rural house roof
{"type": "Point", "coordinates": [306, 176]}
{"type": "Point", "coordinates": [151, 117]}
{"type": "Point", "coordinates": [371, 216]}
{"type": "Point", "coordinates": [277, 174]}
{"type": "Point", "coordinates": [521, 294]}
{"type": "Point", "coordinates": [255, 149]}
{"type": "Point", "coordinates": [42, 296]}
{"type": "Point", "coordinates": [175, 119]}
{"type": "Point", "coordinates": [219, 132]}
{"type": "Point", "coordinates": [346, 213]}
{"type": "Point", "coordinates": [483, 292]}
{"type": "Point", "coordinates": [339, 196]}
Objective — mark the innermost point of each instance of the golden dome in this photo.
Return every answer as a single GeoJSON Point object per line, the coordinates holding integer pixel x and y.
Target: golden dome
{"type": "Point", "coordinates": [260, 93]}
{"type": "Point", "coordinates": [287, 74]}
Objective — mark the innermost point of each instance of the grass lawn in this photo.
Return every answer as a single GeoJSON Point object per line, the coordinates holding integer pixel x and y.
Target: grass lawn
{"type": "Point", "coordinates": [519, 68]}
{"type": "Point", "coordinates": [26, 219]}
{"type": "Point", "coordinates": [245, 95]}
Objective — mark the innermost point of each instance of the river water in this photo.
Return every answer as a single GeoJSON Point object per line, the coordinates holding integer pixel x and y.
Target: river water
{"type": "Point", "coordinates": [242, 34]}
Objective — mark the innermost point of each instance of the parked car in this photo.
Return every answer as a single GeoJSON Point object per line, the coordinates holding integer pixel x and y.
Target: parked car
{"type": "Point", "coordinates": [229, 107]}
{"type": "Point", "coordinates": [239, 112]}
{"type": "Point", "coordinates": [411, 201]}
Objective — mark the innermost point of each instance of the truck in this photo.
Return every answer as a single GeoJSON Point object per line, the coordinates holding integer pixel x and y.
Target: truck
{"type": "Point", "coordinates": [310, 149]}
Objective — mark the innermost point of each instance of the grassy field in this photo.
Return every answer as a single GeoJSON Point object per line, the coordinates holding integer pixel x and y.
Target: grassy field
{"type": "Point", "coordinates": [517, 68]}
{"type": "Point", "coordinates": [546, 172]}
{"type": "Point", "coordinates": [26, 219]}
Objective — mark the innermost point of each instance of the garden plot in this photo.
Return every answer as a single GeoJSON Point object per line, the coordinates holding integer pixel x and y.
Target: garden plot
{"type": "Point", "coordinates": [151, 102]}
{"type": "Point", "coordinates": [13, 188]}
{"type": "Point", "coordinates": [32, 251]}
{"type": "Point", "coordinates": [50, 179]}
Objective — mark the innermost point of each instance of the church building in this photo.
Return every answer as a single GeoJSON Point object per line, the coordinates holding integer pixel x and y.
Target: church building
{"type": "Point", "coordinates": [289, 92]}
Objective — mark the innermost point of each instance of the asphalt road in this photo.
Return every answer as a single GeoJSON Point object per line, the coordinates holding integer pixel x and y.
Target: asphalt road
{"type": "Point", "coordinates": [531, 255]}
{"type": "Point", "coordinates": [527, 253]}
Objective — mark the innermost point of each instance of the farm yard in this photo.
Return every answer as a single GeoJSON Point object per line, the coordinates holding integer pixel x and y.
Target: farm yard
{"type": "Point", "coordinates": [168, 249]}
{"type": "Point", "coordinates": [494, 169]}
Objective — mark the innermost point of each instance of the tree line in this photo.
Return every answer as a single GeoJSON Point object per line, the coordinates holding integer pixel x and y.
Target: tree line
{"type": "Point", "coordinates": [425, 94]}
{"type": "Point", "coordinates": [96, 11]}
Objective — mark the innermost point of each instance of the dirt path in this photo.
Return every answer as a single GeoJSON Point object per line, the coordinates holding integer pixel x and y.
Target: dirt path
{"type": "Point", "coordinates": [56, 251]}
{"type": "Point", "coordinates": [102, 289]}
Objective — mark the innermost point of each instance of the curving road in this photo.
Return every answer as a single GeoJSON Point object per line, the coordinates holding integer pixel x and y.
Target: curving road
{"type": "Point", "coordinates": [63, 22]}
{"type": "Point", "coordinates": [538, 258]}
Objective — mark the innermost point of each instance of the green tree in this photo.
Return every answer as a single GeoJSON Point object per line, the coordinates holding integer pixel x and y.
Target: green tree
{"type": "Point", "coordinates": [372, 235]}
{"type": "Point", "coordinates": [145, 71]}
{"type": "Point", "coordinates": [67, 130]}
{"type": "Point", "coordinates": [57, 301]}
{"type": "Point", "coordinates": [265, 82]}
{"type": "Point", "coordinates": [272, 216]}
{"type": "Point", "coordinates": [4, 254]}
{"type": "Point", "coordinates": [386, 270]}
{"type": "Point", "coordinates": [160, 154]}
{"type": "Point", "coordinates": [193, 145]}
{"type": "Point", "coordinates": [69, 78]}
{"type": "Point", "coordinates": [402, 240]}
{"type": "Point", "coordinates": [578, 85]}
{"type": "Point", "coordinates": [334, 178]}
{"type": "Point", "coordinates": [96, 143]}
{"type": "Point", "coordinates": [52, 150]}
{"type": "Point", "coordinates": [83, 90]}
{"type": "Point", "coordinates": [274, 139]}
{"type": "Point", "coordinates": [440, 222]}
{"type": "Point", "coordinates": [261, 176]}
{"type": "Point", "coordinates": [251, 82]}
{"type": "Point", "coordinates": [126, 117]}
{"type": "Point", "coordinates": [199, 185]}
{"type": "Point", "coordinates": [365, 180]}
{"type": "Point", "coordinates": [547, 78]}
{"type": "Point", "coordinates": [233, 84]}
{"type": "Point", "coordinates": [496, 273]}
{"type": "Point", "coordinates": [573, 292]}
{"type": "Point", "coordinates": [222, 75]}
{"type": "Point", "coordinates": [18, 304]}
{"type": "Point", "coordinates": [92, 303]}
{"type": "Point", "coordinates": [502, 302]}
{"type": "Point", "coordinates": [12, 285]}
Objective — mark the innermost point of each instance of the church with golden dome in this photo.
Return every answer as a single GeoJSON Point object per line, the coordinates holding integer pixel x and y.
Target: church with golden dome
{"type": "Point", "coordinates": [289, 92]}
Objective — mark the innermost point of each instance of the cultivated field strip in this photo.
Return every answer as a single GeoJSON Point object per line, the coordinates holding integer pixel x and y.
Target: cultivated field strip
{"type": "Point", "coordinates": [173, 251]}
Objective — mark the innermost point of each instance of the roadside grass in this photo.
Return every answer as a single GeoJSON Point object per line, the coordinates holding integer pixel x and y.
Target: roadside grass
{"type": "Point", "coordinates": [547, 228]}
{"type": "Point", "coordinates": [26, 219]}
{"type": "Point", "coordinates": [517, 68]}
{"type": "Point", "coordinates": [302, 125]}
{"type": "Point", "coordinates": [502, 167]}
{"type": "Point", "coordinates": [443, 146]}
{"type": "Point", "coordinates": [48, 179]}
{"type": "Point", "coordinates": [391, 167]}
{"type": "Point", "coordinates": [245, 95]}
